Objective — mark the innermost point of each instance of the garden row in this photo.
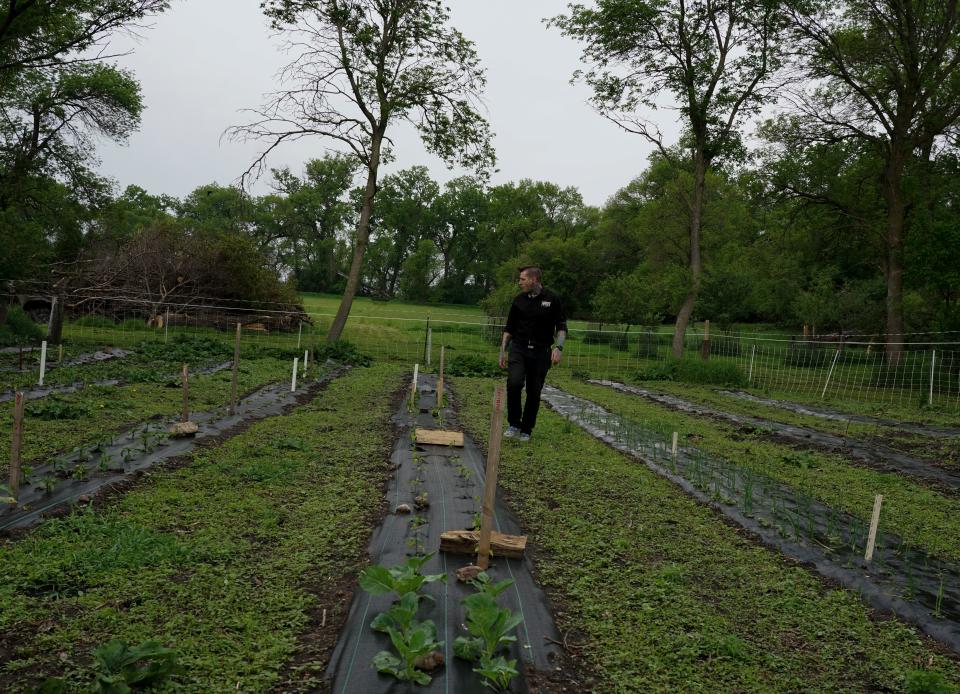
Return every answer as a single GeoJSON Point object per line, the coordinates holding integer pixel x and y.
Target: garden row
{"type": "Point", "coordinates": [240, 556]}
{"type": "Point", "coordinates": [658, 593]}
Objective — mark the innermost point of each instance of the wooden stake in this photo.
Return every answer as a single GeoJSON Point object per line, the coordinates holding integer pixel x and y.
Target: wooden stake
{"type": "Point", "coordinates": [440, 380]}
{"type": "Point", "coordinates": [236, 362]}
{"type": "Point", "coordinates": [413, 387]}
{"type": "Point", "coordinates": [15, 445]}
{"type": "Point", "coordinates": [186, 394]}
{"type": "Point", "coordinates": [874, 522]}
{"type": "Point", "coordinates": [673, 450]}
{"type": "Point", "coordinates": [306, 357]}
{"type": "Point", "coordinates": [490, 483]}
{"type": "Point", "coordinates": [60, 355]}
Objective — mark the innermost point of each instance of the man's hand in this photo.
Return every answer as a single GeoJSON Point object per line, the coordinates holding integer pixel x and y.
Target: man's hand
{"type": "Point", "coordinates": [555, 356]}
{"type": "Point", "coordinates": [503, 360]}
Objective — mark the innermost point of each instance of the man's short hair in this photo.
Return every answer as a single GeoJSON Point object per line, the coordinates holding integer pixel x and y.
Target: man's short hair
{"type": "Point", "coordinates": [532, 271]}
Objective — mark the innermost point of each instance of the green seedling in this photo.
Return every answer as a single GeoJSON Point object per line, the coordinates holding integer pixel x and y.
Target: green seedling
{"type": "Point", "coordinates": [401, 579]}
{"type": "Point", "coordinates": [400, 616]}
{"type": "Point", "coordinates": [497, 672]}
{"type": "Point", "coordinates": [119, 668]}
{"type": "Point", "coordinates": [60, 466]}
{"type": "Point", "coordinates": [488, 624]}
{"type": "Point", "coordinates": [127, 454]}
{"type": "Point", "coordinates": [105, 461]}
{"type": "Point", "coordinates": [79, 472]}
{"type": "Point", "coordinates": [419, 640]}
{"type": "Point", "coordinates": [49, 483]}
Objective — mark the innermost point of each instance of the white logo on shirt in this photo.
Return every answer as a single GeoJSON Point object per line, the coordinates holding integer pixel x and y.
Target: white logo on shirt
{"type": "Point", "coordinates": [545, 304]}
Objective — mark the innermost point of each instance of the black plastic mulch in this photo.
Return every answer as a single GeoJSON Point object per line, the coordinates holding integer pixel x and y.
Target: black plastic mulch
{"type": "Point", "coordinates": [142, 447]}
{"type": "Point", "coordinates": [454, 499]}
{"type": "Point", "coordinates": [901, 579]}
{"type": "Point", "coordinates": [932, 430]}
{"type": "Point", "coordinates": [876, 456]}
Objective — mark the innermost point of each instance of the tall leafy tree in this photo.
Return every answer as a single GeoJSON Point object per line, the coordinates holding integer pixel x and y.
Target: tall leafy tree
{"type": "Point", "coordinates": [885, 73]}
{"type": "Point", "coordinates": [406, 214]}
{"type": "Point", "coordinates": [46, 33]}
{"type": "Point", "coordinates": [715, 58]}
{"type": "Point", "coordinates": [362, 66]}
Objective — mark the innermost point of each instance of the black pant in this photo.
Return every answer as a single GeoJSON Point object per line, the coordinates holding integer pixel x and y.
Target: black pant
{"type": "Point", "coordinates": [528, 367]}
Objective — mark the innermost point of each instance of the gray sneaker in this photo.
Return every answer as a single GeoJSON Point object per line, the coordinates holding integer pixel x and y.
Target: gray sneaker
{"type": "Point", "coordinates": [511, 433]}
{"type": "Point", "coordinates": [523, 438]}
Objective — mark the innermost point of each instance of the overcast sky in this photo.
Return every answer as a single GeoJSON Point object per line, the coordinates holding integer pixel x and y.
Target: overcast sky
{"type": "Point", "coordinates": [204, 61]}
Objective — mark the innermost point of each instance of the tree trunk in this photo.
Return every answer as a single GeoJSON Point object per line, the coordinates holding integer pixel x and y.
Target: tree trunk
{"type": "Point", "coordinates": [360, 244]}
{"type": "Point", "coordinates": [896, 219]}
{"type": "Point", "coordinates": [55, 324]}
{"type": "Point", "coordinates": [696, 219]}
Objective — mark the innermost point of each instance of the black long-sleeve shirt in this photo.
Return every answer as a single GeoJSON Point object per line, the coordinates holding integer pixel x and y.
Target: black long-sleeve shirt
{"type": "Point", "coordinates": [532, 321]}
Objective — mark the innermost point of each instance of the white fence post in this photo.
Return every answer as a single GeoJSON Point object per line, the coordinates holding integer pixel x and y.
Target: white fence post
{"type": "Point", "coordinates": [933, 361]}
{"type": "Point", "coordinates": [306, 357]}
{"type": "Point", "coordinates": [753, 353]}
{"type": "Point", "coordinates": [429, 344]}
{"type": "Point", "coordinates": [299, 334]}
{"type": "Point", "coordinates": [293, 380]}
{"type": "Point", "coordinates": [43, 361]}
{"type": "Point", "coordinates": [829, 374]}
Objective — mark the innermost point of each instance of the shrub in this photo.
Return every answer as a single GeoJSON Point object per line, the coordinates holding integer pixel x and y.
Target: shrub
{"type": "Point", "coordinates": [927, 682]}
{"type": "Point", "coordinates": [94, 321]}
{"type": "Point", "coordinates": [135, 324]}
{"type": "Point", "coordinates": [473, 365]}
{"type": "Point", "coordinates": [694, 370]}
{"type": "Point", "coordinates": [185, 349]}
{"type": "Point", "coordinates": [342, 351]}
{"type": "Point", "coordinates": [18, 328]}
{"type": "Point", "coordinates": [648, 345]}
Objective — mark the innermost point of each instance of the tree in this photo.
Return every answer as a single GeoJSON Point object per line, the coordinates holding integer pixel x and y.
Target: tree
{"type": "Point", "coordinates": [715, 58]}
{"type": "Point", "coordinates": [36, 34]}
{"type": "Point", "coordinates": [309, 219]}
{"type": "Point", "coordinates": [49, 120]}
{"type": "Point", "coordinates": [56, 97]}
{"type": "Point", "coordinates": [462, 210]}
{"type": "Point", "coordinates": [361, 67]}
{"type": "Point", "coordinates": [405, 214]}
{"type": "Point", "coordinates": [885, 73]}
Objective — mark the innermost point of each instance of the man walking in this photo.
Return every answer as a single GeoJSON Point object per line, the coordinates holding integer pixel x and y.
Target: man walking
{"type": "Point", "coordinates": [536, 315]}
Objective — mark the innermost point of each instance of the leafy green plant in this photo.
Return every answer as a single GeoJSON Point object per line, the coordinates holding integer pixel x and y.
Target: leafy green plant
{"type": "Point", "coordinates": [497, 672]}
{"type": "Point", "coordinates": [79, 472]}
{"type": "Point", "coordinates": [49, 483]}
{"type": "Point", "coordinates": [418, 640]}
{"type": "Point", "coordinates": [54, 407]}
{"type": "Point", "coordinates": [489, 626]}
{"type": "Point", "coordinates": [472, 365]}
{"type": "Point", "coordinates": [401, 579]}
{"type": "Point", "coordinates": [118, 669]}
{"type": "Point", "coordinates": [927, 682]}
{"type": "Point", "coordinates": [341, 351]}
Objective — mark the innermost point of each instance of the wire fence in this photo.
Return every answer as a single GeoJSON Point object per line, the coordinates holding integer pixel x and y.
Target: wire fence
{"type": "Point", "coordinates": [926, 374]}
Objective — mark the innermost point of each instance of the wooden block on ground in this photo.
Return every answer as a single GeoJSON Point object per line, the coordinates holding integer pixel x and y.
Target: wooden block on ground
{"type": "Point", "coordinates": [466, 541]}
{"type": "Point", "coordinates": [440, 437]}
